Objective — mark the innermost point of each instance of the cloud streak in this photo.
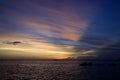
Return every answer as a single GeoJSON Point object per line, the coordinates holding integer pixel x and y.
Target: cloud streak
{"type": "Point", "coordinates": [54, 28]}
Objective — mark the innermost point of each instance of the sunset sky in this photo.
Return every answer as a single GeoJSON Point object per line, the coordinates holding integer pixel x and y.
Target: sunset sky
{"type": "Point", "coordinates": [36, 29]}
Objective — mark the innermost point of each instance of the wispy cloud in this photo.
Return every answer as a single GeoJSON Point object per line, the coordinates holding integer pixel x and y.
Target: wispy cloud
{"type": "Point", "coordinates": [50, 27]}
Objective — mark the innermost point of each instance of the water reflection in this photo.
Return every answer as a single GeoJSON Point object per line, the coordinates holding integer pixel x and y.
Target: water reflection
{"type": "Point", "coordinates": [58, 70]}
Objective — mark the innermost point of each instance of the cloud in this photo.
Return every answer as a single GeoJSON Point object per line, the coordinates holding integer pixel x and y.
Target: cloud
{"type": "Point", "coordinates": [13, 43]}
{"type": "Point", "coordinates": [48, 27]}
{"type": "Point", "coordinates": [49, 19]}
{"type": "Point", "coordinates": [111, 52]}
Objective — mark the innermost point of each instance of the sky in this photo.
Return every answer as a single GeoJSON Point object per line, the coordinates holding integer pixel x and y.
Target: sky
{"type": "Point", "coordinates": [58, 29]}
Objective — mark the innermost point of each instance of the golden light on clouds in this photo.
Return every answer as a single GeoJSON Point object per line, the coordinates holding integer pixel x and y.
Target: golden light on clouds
{"type": "Point", "coordinates": [36, 30]}
{"type": "Point", "coordinates": [35, 50]}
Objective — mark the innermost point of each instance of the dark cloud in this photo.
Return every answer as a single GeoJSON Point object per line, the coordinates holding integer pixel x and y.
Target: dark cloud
{"type": "Point", "coordinates": [109, 52]}
{"type": "Point", "coordinates": [13, 43]}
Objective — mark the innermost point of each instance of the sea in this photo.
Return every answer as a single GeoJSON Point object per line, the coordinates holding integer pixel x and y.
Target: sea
{"type": "Point", "coordinates": [59, 70]}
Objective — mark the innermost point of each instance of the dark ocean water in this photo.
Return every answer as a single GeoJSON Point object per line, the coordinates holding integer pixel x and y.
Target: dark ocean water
{"type": "Point", "coordinates": [59, 70]}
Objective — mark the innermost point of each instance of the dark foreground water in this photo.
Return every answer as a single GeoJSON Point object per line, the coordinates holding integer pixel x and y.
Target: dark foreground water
{"type": "Point", "coordinates": [58, 70]}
